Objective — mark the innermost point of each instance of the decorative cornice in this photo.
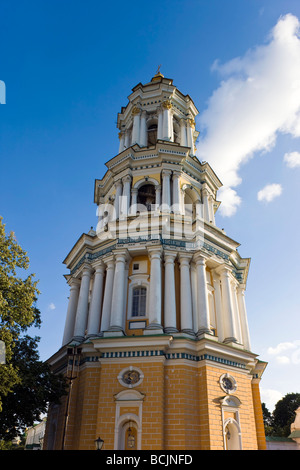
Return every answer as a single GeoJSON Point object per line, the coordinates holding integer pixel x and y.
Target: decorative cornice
{"type": "Point", "coordinates": [168, 356]}
{"type": "Point", "coordinates": [90, 257]}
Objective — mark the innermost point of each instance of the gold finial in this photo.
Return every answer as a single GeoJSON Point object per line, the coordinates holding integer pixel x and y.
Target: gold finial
{"type": "Point", "coordinates": [158, 75]}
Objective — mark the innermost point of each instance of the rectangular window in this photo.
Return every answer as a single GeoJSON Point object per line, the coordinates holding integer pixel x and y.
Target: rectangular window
{"type": "Point", "coordinates": [139, 302]}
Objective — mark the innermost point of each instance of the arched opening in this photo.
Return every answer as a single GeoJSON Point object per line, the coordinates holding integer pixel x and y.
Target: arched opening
{"type": "Point", "coordinates": [130, 436]}
{"type": "Point", "coordinates": [128, 426]}
{"type": "Point", "coordinates": [191, 200]}
{"type": "Point", "coordinates": [176, 131]}
{"type": "Point", "coordinates": [230, 417]}
{"type": "Point", "coordinates": [232, 438]}
{"type": "Point", "coordinates": [152, 134]}
{"type": "Point", "coordinates": [146, 197]}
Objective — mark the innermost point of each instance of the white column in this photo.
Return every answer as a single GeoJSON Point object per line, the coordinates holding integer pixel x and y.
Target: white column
{"type": "Point", "coordinates": [160, 124]}
{"type": "Point", "coordinates": [176, 192]}
{"type": "Point", "coordinates": [71, 313]}
{"type": "Point", "coordinates": [133, 207]}
{"type": "Point", "coordinates": [186, 306]}
{"type": "Point", "coordinates": [166, 195]}
{"type": "Point", "coordinates": [117, 306]}
{"type": "Point", "coordinates": [190, 135]}
{"type": "Point", "coordinates": [243, 316]}
{"type": "Point", "coordinates": [95, 306]}
{"type": "Point", "coordinates": [230, 332]}
{"type": "Point", "coordinates": [143, 130]}
{"type": "Point", "coordinates": [169, 299]}
{"type": "Point", "coordinates": [182, 197]}
{"type": "Point", "coordinates": [122, 142]}
{"type": "Point", "coordinates": [126, 195]}
{"type": "Point", "coordinates": [202, 297]}
{"type": "Point", "coordinates": [157, 196]}
{"type": "Point", "coordinates": [194, 295]}
{"type": "Point", "coordinates": [167, 120]}
{"type": "Point", "coordinates": [119, 188]}
{"type": "Point", "coordinates": [135, 138]}
{"type": "Point", "coordinates": [219, 309]}
{"type": "Point", "coordinates": [106, 308]}
{"type": "Point", "coordinates": [183, 136]}
{"type": "Point", "coordinates": [211, 209]}
{"type": "Point", "coordinates": [82, 308]}
{"type": "Point", "coordinates": [205, 204]}
{"type": "Point", "coordinates": [127, 138]}
{"type": "Point", "coordinates": [199, 209]}
{"type": "Point", "coordinates": [155, 289]}
{"type": "Point", "coordinates": [236, 316]}
{"type": "Point", "coordinates": [171, 125]}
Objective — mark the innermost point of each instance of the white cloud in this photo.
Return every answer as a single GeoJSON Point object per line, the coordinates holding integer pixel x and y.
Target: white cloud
{"type": "Point", "coordinates": [51, 306]}
{"type": "Point", "coordinates": [282, 347]}
{"type": "Point", "coordinates": [258, 97]}
{"type": "Point", "coordinates": [291, 350]}
{"type": "Point", "coordinates": [230, 200]}
{"type": "Point", "coordinates": [283, 360]}
{"type": "Point", "coordinates": [269, 192]}
{"type": "Point", "coordinates": [292, 159]}
{"type": "Point", "coordinates": [270, 397]}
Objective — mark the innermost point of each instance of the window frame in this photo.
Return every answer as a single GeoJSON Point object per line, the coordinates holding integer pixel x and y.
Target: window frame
{"type": "Point", "coordinates": [142, 302]}
{"type": "Point", "coordinates": [138, 280]}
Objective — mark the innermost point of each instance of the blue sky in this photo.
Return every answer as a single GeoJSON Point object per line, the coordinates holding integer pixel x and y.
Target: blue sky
{"type": "Point", "coordinates": [68, 67]}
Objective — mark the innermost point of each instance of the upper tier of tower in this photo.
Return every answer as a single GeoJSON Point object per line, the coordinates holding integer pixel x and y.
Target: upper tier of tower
{"type": "Point", "coordinates": [156, 168]}
{"type": "Point", "coordinates": [157, 111]}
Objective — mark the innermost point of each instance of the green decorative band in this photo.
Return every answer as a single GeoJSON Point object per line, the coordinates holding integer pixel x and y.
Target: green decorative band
{"type": "Point", "coordinates": [122, 354]}
{"type": "Point", "coordinates": [204, 357]}
{"type": "Point", "coordinates": [90, 257]}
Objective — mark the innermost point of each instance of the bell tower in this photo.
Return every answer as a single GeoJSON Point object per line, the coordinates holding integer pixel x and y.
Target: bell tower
{"type": "Point", "coordinates": [157, 111]}
{"type": "Point", "coordinates": [156, 342]}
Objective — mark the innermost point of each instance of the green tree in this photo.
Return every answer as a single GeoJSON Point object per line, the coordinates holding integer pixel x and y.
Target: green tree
{"type": "Point", "coordinates": [17, 305]}
{"type": "Point", "coordinates": [268, 420]}
{"type": "Point", "coordinates": [26, 384]}
{"type": "Point", "coordinates": [284, 414]}
{"type": "Point", "coordinates": [29, 398]}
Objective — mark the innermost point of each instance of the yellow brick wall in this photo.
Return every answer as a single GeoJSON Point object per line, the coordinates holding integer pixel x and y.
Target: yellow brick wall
{"type": "Point", "coordinates": [246, 411]}
{"type": "Point", "coordinates": [182, 425]}
{"type": "Point", "coordinates": [260, 429]}
{"type": "Point", "coordinates": [181, 408]}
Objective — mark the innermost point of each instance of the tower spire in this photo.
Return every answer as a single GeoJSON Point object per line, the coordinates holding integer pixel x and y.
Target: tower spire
{"type": "Point", "coordinates": [158, 74]}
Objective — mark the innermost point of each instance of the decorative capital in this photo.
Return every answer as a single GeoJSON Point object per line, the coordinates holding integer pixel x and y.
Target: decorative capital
{"type": "Point", "coordinates": [191, 122]}
{"type": "Point", "coordinates": [167, 104]}
{"type": "Point", "coordinates": [166, 172]}
{"type": "Point", "coordinates": [126, 179]}
{"type": "Point", "coordinates": [170, 256]}
{"type": "Point", "coordinates": [199, 259]}
{"type": "Point", "coordinates": [135, 111]}
{"type": "Point", "coordinates": [74, 283]}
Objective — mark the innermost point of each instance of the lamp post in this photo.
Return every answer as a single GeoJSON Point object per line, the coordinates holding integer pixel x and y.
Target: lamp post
{"type": "Point", "coordinates": [99, 443]}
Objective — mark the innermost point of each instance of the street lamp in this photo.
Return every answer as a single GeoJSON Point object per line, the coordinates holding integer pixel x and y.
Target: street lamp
{"type": "Point", "coordinates": [99, 443]}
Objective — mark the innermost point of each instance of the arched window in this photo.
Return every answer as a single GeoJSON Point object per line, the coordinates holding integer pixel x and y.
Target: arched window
{"type": "Point", "coordinates": [230, 416]}
{"type": "Point", "coordinates": [146, 196]}
{"type": "Point", "coordinates": [130, 436]}
{"type": "Point", "coordinates": [139, 295]}
{"type": "Point", "coordinates": [176, 131]}
{"type": "Point", "coordinates": [152, 134]}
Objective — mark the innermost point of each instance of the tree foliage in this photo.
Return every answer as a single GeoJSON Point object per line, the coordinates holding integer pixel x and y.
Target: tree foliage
{"type": "Point", "coordinates": [17, 304]}
{"type": "Point", "coordinates": [279, 422]}
{"type": "Point", "coordinates": [26, 383]}
{"type": "Point", "coordinates": [30, 397]}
